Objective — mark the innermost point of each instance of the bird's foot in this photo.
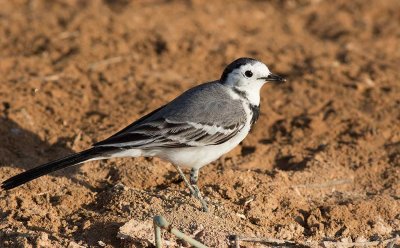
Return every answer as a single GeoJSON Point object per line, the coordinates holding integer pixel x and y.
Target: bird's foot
{"type": "Point", "coordinates": [198, 195]}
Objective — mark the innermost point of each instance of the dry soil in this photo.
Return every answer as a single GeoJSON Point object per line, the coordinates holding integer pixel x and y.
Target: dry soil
{"type": "Point", "coordinates": [322, 163]}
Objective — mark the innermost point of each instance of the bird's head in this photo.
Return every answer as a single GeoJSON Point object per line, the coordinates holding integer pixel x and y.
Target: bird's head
{"type": "Point", "coordinates": [248, 71]}
{"type": "Point", "coordinates": [248, 75]}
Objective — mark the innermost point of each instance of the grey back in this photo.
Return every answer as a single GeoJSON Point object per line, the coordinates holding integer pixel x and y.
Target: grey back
{"type": "Point", "coordinates": [209, 103]}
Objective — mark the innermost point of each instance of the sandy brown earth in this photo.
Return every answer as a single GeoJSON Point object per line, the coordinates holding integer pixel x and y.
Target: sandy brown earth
{"type": "Point", "coordinates": [322, 164]}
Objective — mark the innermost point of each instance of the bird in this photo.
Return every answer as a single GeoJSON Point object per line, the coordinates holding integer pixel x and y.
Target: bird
{"type": "Point", "coordinates": [193, 130]}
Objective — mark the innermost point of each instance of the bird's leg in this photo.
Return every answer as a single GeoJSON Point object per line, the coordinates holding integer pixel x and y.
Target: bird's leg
{"type": "Point", "coordinates": [194, 190]}
{"type": "Point", "coordinates": [185, 180]}
{"type": "Point", "coordinates": [194, 176]}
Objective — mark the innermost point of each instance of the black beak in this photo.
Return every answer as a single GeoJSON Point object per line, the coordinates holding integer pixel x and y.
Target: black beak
{"type": "Point", "coordinates": [273, 78]}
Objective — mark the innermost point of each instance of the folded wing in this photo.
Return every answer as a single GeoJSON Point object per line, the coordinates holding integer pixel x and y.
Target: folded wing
{"type": "Point", "coordinates": [205, 115]}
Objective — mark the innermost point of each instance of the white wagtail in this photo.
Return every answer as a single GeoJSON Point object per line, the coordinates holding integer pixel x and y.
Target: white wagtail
{"type": "Point", "coordinates": [193, 130]}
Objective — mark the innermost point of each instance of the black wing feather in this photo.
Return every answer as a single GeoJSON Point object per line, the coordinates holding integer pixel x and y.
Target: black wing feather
{"type": "Point", "coordinates": [163, 134]}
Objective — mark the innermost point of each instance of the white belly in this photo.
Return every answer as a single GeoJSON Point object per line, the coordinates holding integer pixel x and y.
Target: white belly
{"type": "Point", "coordinates": [196, 157]}
{"type": "Point", "coordinates": [192, 157]}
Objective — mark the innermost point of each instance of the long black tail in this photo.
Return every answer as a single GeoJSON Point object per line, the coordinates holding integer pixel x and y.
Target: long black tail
{"type": "Point", "coordinates": [58, 164]}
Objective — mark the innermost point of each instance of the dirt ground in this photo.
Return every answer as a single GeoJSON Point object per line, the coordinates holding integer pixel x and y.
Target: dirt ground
{"type": "Point", "coordinates": [321, 165]}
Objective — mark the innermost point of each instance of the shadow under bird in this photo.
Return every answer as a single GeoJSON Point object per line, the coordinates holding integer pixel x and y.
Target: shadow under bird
{"type": "Point", "coordinates": [192, 130]}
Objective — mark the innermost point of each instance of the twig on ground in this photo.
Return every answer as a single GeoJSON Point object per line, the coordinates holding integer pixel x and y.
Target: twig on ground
{"type": "Point", "coordinates": [161, 222]}
{"type": "Point", "coordinates": [324, 185]}
{"type": "Point", "coordinates": [261, 240]}
{"type": "Point", "coordinates": [105, 62]}
{"type": "Point", "coordinates": [51, 78]}
{"type": "Point", "coordinates": [389, 242]}
{"type": "Point", "coordinates": [67, 35]}
{"type": "Point", "coordinates": [77, 139]}
{"type": "Point", "coordinates": [248, 200]}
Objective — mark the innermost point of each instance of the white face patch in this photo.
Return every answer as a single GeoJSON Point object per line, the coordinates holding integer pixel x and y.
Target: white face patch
{"type": "Point", "coordinates": [247, 79]}
{"type": "Point", "coordinates": [247, 74]}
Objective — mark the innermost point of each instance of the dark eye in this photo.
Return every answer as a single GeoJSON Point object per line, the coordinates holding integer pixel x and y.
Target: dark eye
{"type": "Point", "coordinates": [248, 73]}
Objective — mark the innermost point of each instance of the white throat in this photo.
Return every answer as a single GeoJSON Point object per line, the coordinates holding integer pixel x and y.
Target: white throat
{"type": "Point", "coordinates": [249, 93]}
{"type": "Point", "coordinates": [252, 93]}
